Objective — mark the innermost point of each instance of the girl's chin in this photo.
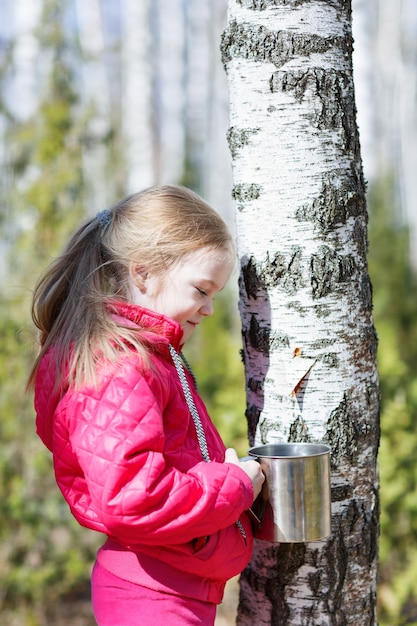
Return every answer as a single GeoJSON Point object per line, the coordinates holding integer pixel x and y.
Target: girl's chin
{"type": "Point", "coordinates": [188, 329]}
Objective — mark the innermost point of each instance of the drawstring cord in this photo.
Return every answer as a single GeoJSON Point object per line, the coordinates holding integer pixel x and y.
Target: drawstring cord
{"type": "Point", "coordinates": [201, 435]}
{"type": "Point", "coordinates": [190, 371]}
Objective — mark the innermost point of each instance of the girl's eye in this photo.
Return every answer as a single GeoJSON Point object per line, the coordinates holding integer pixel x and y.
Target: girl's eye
{"type": "Point", "coordinates": [201, 291]}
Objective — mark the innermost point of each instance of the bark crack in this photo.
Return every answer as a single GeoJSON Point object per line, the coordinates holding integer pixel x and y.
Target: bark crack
{"type": "Point", "coordinates": [341, 433]}
{"type": "Point", "coordinates": [328, 269]}
{"type": "Point", "coordinates": [258, 43]}
{"type": "Point", "coordinates": [338, 200]}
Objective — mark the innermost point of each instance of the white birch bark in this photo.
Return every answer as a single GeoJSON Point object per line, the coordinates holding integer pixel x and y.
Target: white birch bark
{"type": "Point", "coordinates": [96, 100]}
{"type": "Point", "coordinates": [301, 232]}
{"type": "Point", "coordinates": [137, 94]}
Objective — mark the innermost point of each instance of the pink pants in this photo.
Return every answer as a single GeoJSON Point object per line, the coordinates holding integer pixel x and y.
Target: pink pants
{"type": "Point", "coordinates": [117, 602]}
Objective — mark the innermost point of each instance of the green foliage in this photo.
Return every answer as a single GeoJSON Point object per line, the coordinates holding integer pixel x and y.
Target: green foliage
{"type": "Point", "coordinates": [44, 554]}
{"type": "Point", "coordinates": [46, 154]}
{"type": "Point", "coordinates": [395, 312]}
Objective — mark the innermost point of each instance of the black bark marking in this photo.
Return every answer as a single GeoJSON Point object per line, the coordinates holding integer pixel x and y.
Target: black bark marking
{"type": "Point", "coordinates": [252, 414]}
{"type": "Point", "coordinates": [355, 539]}
{"type": "Point", "coordinates": [243, 193]}
{"type": "Point", "coordinates": [290, 557]}
{"type": "Point", "coordinates": [374, 529]}
{"type": "Point", "coordinates": [341, 433]}
{"type": "Point", "coordinates": [258, 43]}
{"type": "Point", "coordinates": [341, 493]}
{"type": "Point", "coordinates": [330, 95]}
{"type": "Point", "coordinates": [330, 359]}
{"type": "Point", "coordinates": [314, 581]}
{"type": "Point", "coordinates": [366, 348]}
{"type": "Point", "coordinates": [268, 427]}
{"type": "Point", "coordinates": [279, 340]}
{"type": "Point", "coordinates": [258, 336]}
{"type": "Point", "coordinates": [263, 5]}
{"type": "Point", "coordinates": [237, 138]}
{"type": "Point", "coordinates": [274, 272]}
{"type": "Point", "coordinates": [255, 385]}
{"type": "Point", "coordinates": [278, 271]}
{"type": "Point", "coordinates": [327, 270]}
{"type": "Point", "coordinates": [337, 559]}
{"type": "Point", "coordinates": [274, 269]}
{"type": "Point", "coordinates": [299, 431]}
{"type": "Point", "coordinates": [360, 238]}
{"type": "Point", "coordinates": [335, 204]}
{"type": "Point", "coordinates": [252, 282]}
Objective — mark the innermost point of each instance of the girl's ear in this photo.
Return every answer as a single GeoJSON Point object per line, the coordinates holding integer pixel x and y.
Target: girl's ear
{"type": "Point", "coordinates": [139, 275]}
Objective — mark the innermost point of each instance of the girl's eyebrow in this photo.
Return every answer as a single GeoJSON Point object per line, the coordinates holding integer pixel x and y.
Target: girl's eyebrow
{"type": "Point", "coordinates": [214, 286]}
{"type": "Point", "coordinates": [210, 282]}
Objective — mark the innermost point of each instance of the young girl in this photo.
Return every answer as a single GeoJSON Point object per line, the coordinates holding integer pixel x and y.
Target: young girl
{"type": "Point", "coordinates": [135, 453]}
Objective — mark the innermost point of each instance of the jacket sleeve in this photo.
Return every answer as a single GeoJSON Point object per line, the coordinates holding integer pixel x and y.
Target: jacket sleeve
{"type": "Point", "coordinates": [117, 434]}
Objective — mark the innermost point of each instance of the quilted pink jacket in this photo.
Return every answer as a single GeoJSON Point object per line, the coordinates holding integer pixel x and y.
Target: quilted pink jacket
{"type": "Point", "coordinates": [128, 463]}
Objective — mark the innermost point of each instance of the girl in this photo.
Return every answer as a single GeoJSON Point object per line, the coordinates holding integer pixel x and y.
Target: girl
{"type": "Point", "coordinates": [135, 453]}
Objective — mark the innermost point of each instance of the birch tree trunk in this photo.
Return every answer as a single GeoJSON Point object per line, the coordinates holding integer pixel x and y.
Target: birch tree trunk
{"type": "Point", "coordinates": [207, 103]}
{"type": "Point", "coordinates": [169, 86]}
{"type": "Point", "coordinates": [217, 172]}
{"type": "Point", "coordinates": [23, 93]}
{"type": "Point", "coordinates": [305, 295]}
{"type": "Point", "coordinates": [137, 94]}
{"type": "Point", "coordinates": [197, 84]}
{"type": "Point", "coordinates": [384, 60]}
{"type": "Point", "coordinates": [97, 102]}
{"type": "Point", "coordinates": [396, 90]}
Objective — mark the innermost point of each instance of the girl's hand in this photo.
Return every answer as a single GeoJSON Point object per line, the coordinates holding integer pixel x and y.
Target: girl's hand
{"type": "Point", "coordinates": [251, 468]}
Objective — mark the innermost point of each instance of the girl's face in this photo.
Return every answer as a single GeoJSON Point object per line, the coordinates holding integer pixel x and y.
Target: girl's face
{"type": "Point", "coordinates": [186, 291]}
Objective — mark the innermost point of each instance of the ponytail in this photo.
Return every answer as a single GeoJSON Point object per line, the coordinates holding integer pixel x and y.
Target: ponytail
{"type": "Point", "coordinates": [69, 303]}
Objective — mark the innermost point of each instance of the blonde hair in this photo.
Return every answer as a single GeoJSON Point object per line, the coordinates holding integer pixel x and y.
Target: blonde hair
{"type": "Point", "coordinates": [154, 228]}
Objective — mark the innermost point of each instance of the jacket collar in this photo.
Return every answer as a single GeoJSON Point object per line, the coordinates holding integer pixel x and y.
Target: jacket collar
{"type": "Point", "coordinates": [164, 328]}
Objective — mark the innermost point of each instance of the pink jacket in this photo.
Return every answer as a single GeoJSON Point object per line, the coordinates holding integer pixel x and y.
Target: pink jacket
{"type": "Point", "coordinates": [128, 463]}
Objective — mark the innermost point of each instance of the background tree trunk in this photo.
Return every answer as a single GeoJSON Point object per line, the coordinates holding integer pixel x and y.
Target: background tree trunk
{"type": "Point", "coordinates": [137, 101]}
{"type": "Point", "coordinates": [96, 96]}
{"type": "Point", "coordinates": [305, 296]}
{"type": "Point", "coordinates": [384, 59]}
{"type": "Point", "coordinates": [24, 88]}
{"type": "Point", "coordinates": [169, 79]}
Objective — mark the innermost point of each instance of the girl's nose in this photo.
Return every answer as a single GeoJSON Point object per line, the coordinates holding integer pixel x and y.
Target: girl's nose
{"type": "Point", "coordinates": [207, 308]}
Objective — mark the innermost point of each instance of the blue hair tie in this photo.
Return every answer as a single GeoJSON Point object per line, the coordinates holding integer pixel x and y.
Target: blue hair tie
{"type": "Point", "coordinates": [104, 218]}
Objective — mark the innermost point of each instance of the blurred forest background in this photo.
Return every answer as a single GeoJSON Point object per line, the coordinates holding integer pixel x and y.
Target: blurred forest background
{"type": "Point", "coordinates": [100, 98]}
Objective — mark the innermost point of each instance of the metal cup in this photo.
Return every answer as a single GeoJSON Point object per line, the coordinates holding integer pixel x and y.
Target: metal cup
{"type": "Point", "coordinates": [295, 504]}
